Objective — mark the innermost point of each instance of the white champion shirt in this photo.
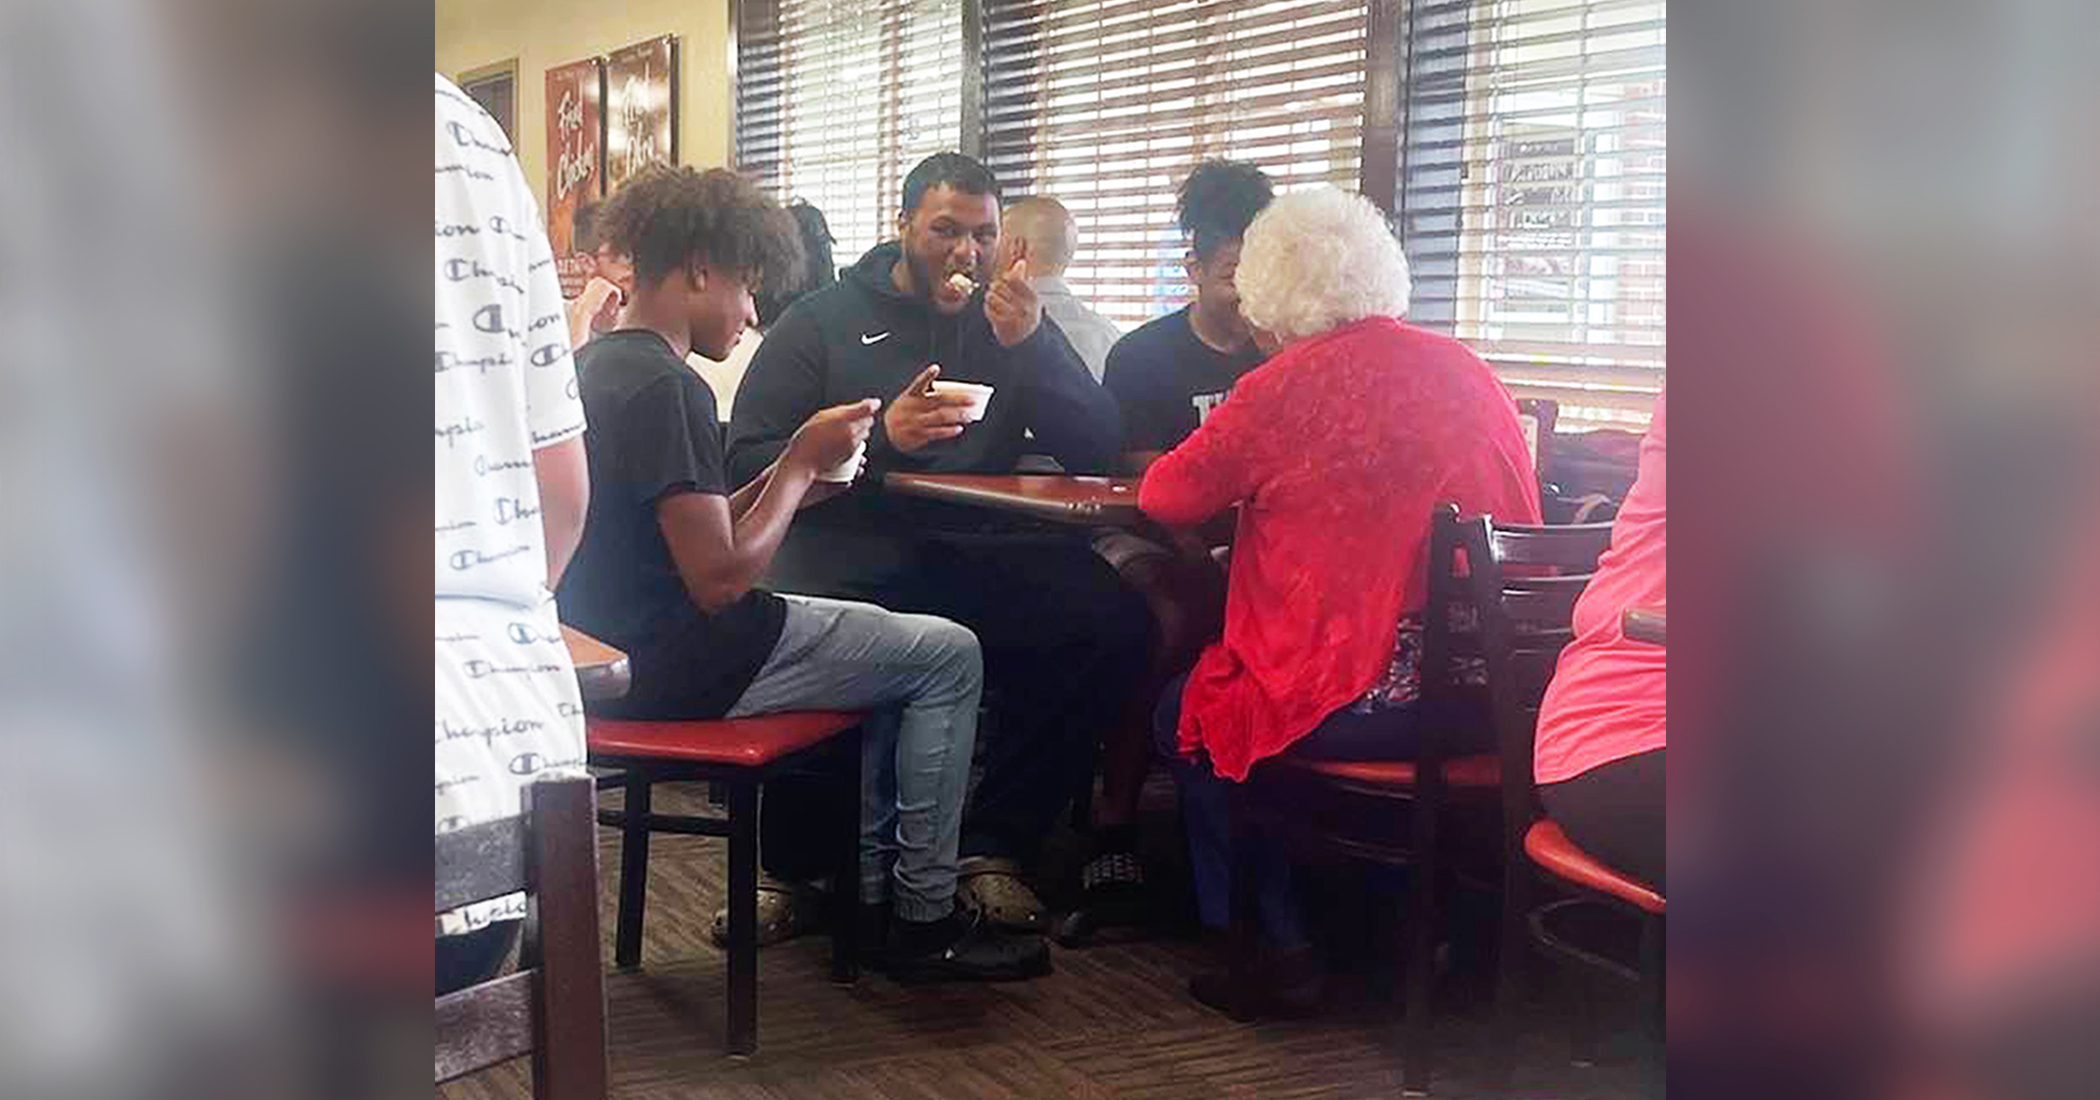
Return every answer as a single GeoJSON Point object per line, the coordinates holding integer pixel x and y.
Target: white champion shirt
{"type": "Point", "coordinates": [507, 703]}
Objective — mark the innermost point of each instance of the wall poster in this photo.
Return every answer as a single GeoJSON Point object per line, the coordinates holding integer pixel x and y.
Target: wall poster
{"type": "Point", "coordinates": [575, 160]}
{"type": "Point", "coordinates": [641, 108]}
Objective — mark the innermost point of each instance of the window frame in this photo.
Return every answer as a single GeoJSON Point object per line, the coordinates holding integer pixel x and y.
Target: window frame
{"type": "Point", "coordinates": [1382, 150]}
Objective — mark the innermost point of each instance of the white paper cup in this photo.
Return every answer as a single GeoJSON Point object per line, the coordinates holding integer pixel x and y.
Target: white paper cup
{"type": "Point", "coordinates": [980, 396]}
{"type": "Point", "coordinates": [848, 470]}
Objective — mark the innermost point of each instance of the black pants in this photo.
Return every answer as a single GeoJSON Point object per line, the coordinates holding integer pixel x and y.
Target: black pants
{"type": "Point", "coordinates": [1064, 646]}
{"type": "Point", "coordinates": [1615, 812]}
{"type": "Point", "coordinates": [473, 958]}
{"type": "Point", "coordinates": [1206, 809]}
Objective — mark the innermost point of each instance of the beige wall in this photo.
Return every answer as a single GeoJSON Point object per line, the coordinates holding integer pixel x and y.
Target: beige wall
{"type": "Point", "coordinates": [542, 34]}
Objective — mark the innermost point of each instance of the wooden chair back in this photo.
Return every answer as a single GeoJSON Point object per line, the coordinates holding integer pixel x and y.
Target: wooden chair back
{"type": "Point", "coordinates": [555, 1009]}
{"type": "Point", "coordinates": [1526, 617]}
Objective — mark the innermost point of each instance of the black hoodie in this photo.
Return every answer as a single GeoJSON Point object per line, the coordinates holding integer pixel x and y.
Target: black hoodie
{"type": "Point", "coordinates": [861, 337]}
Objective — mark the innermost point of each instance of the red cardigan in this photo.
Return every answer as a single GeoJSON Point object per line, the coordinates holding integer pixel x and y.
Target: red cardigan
{"type": "Point", "coordinates": [1338, 448]}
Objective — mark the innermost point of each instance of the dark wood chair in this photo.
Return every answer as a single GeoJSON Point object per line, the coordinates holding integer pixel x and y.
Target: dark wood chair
{"type": "Point", "coordinates": [1393, 812]}
{"type": "Point", "coordinates": [738, 756]}
{"type": "Point", "coordinates": [1525, 623]}
{"type": "Point", "coordinates": [554, 1009]}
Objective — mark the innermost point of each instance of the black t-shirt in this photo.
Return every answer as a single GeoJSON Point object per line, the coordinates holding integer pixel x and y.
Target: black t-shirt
{"type": "Point", "coordinates": [1167, 380]}
{"type": "Point", "coordinates": [653, 434]}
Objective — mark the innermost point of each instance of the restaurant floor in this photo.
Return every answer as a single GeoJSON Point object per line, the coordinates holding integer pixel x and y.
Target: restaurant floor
{"type": "Point", "coordinates": [1111, 1022]}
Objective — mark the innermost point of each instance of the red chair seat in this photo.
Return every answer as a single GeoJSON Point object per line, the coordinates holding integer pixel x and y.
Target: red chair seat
{"type": "Point", "coordinates": [1550, 848]}
{"type": "Point", "coordinates": [1459, 771]}
{"type": "Point", "coordinates": [731, 742]}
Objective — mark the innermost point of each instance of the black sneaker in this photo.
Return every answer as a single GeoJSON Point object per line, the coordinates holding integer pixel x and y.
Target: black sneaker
{"type": "Point", "coordinates": [962, 947]}
{"type": "Point", "coordinates": [1114, 905]}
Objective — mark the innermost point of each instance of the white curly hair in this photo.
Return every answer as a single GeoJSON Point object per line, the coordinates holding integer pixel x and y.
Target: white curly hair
{"type": "Point", "coordinates": [1316, 260]}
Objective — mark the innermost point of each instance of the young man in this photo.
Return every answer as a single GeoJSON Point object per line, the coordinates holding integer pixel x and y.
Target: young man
{"type": "Point", "coordinates": [1061, 635]}
{"type": "Point", "coordinates": [1167, 375]}
{"type": "Point", "coordinates": [511, 486]}
{"type": "Point", "coordinates": [725, 376]}
{"type": "Point", "coordinates": [672, 554]}
{"type": "Point", "coordinates": [597, 308]}
{"type": "Point", "coordinates": [1044, 229]}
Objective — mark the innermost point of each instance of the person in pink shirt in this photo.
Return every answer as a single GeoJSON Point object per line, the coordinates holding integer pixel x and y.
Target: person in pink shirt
{"type": "Point", "coordinates": [1598, 759]}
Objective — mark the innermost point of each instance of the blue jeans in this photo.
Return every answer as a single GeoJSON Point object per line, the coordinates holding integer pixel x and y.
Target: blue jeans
{"type": "Point", "coordinates": [1392, 734]}
{"type": "Point", "coordinates": [1064, 642]}
{"type": "Point", "coordinates": [920, 678]}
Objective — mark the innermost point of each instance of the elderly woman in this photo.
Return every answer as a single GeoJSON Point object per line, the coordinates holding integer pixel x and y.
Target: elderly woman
{"type": "Point", "coordinates": [1338, 448]}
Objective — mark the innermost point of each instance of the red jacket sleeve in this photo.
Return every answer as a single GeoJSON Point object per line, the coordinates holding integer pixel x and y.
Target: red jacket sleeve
{"type": "Point", "coordinates": [1220, 465]}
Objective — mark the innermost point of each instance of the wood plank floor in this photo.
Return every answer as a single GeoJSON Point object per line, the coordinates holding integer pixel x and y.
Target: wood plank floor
{"type": "Point", "coordinates": [1113, 1021]}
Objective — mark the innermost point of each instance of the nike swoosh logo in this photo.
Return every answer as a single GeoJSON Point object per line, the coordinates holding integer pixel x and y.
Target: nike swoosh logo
{"type": "Point", "coordinates": [873, 338]}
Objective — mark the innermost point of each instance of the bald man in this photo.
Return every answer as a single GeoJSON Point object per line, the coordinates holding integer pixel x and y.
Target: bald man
{"type": "Point", "coordinates": [1052, 238]}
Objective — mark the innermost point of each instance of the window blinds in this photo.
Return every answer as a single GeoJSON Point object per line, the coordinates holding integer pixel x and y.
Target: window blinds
{"type": "Point", "coordinates": [1532, 193]}
{"type": "Point", "coordinates": [1106, 105]}
{"type": "Point", "coordinates": [838, 99]}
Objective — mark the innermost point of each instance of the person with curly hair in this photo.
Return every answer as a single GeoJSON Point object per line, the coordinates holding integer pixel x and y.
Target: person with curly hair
{"type": "Point", "coordinates": [673, 552]}
{"type": "Point", "coordinates": [727, 375]}
{"type": "Point", "coordinates": [1166, 375]}
{"type": "Point", "coordinates": [1352, 431]}
{"type": "Point", "coordinates": [1169, 373]}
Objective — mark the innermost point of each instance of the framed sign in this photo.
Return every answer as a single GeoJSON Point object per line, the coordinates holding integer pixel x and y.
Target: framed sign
{"type": "Point", "coordinates": [575, 160]}
{"type": "Point", "coordinates": [495, 87]}
{"type": "Point", "coordinates": [641, 107]}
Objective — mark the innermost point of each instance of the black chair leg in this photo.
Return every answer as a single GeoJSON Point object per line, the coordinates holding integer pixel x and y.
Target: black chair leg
{"type": "Point", "coordinates": [1512, 952]}
{"type": "Point", "coordinates": [634, 870]}
{"type": "Point", "coordinates": [1422, 925]}
{"type": "Point", "coordinates": [845, 889]}
{"type": "Point", "coordinates": [1654, 987]}
{"type": "Point", "coordinates": [743, 917]}
{"type": "Point", "coordinates": [1385, 913]}
{"type": "Point", "coordinates": [1583, 1041]}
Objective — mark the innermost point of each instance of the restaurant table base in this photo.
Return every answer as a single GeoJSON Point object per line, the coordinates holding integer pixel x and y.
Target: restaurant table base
{"type": "Point", "coordinates": [741, 755]}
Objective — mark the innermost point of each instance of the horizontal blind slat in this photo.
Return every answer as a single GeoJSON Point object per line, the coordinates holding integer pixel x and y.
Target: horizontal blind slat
{"type": "Point", "coordinates": [1005, 31]}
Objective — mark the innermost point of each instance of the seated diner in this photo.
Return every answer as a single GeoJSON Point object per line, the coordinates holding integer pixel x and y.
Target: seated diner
{"type": "Point", "coordinates": [1119, 552]}
{"type": "Point", "coordinates": [1336, 450]}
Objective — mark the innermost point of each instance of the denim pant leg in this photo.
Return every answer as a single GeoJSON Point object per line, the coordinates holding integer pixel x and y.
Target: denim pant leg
{"type": "Point", "coordinates": [921, 678]}
{"type": "Point", "coordinates": [1206, 810]}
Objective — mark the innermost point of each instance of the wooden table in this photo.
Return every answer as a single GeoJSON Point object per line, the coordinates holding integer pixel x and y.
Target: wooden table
{"type": "Point", "coordinates": [1088, 501]}
{"type": "Point", "coordinates": [601, 670]}
{"type": "Point", "coordinates": [1646, 624]}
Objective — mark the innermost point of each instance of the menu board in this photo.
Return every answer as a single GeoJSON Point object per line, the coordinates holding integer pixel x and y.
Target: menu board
{"type": "Point", "coordinates": [641, 108]}
{"type": "Point", "coordinates": [575, 161]}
